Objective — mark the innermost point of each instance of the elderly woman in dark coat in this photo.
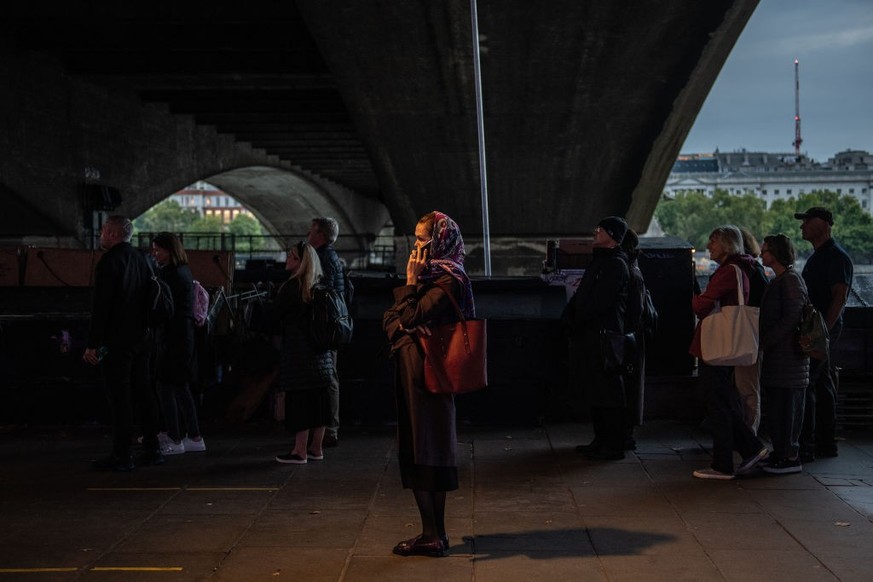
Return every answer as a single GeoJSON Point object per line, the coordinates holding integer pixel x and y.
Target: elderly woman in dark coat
{"type": "Point", "coordinates": [174, 350]}
{"type": "Point", "coordinates": [304, 372]}
{"type": "Point", "coordinates": [426, 435]}
{"type": "Point", "coordinates": [784, 365]}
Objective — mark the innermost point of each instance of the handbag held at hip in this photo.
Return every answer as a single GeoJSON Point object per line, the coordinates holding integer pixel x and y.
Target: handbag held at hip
{"type": "Point", "coordinates": [729, 335]}
{"type": "Point", "coordinates": [455, 355]}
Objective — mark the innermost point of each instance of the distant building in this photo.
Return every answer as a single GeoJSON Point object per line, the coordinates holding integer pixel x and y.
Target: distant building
{"type": "Point", "coordinates": [208, 200]}
{"type": "Point", "coordinates": [773, 176]}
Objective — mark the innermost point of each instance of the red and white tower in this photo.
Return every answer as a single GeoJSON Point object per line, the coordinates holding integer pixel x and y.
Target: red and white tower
{"type": "Point", "coordinates": [797, 139]}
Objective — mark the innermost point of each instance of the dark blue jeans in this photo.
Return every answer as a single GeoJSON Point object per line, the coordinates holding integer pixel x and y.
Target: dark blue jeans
{"type": "Point", "coordinates": [729, 430]}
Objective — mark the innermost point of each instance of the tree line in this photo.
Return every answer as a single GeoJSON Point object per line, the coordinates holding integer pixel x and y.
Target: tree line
{"type": "Point", "coordinates": [692, 216]}
{"type": "Point", "coordinates": [170, 216]}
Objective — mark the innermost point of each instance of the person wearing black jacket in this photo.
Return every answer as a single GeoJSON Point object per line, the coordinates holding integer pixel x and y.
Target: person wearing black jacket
{"type": "Point", "coordinates": [118, 341]}
{"type": "Point", "coordinates": [594, 314]}
{"type": "Point", "coordinates": [174, 350]}
{"type": "Point", "coordinates": [322, 235]}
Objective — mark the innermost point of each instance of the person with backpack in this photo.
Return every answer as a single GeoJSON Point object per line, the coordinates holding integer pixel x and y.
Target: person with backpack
{"type": "Point", "coordinates": [639, 317]}
{"type": "Point", "coordinates": [305, 371]}
{"type": "Point", "coordinates": [119, 342]}
{"type": "Point", "coordinates": [174, 350]}
{"type": "Point", "coordinates": [593, 322]}
{"type": "Point", "coordinates": [322, 234]}
{"type": "Point", "coordinates": [784, 365]}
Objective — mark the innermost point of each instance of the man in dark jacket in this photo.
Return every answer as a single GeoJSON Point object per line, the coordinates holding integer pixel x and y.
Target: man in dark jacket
{"type": "Point", "coordinates": [828, 277]}
{"type": "Point", "coordinates": [595, 315]}
{"type": "Point", "coordinates": [322, 235]}
{"type": "Point", "coordinates": [118, 340]}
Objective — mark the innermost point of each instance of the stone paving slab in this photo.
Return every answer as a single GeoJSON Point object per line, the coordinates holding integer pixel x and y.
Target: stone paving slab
{"type": "Point", "coordinates": [528, 508]}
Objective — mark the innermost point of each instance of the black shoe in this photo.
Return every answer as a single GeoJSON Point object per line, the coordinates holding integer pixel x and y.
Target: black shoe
{"type": "Point", "coordinates": [417, 547]}
{"type": "Point", "coordinates": [329, 441]}
{"type": "Point", "coordinates": [827, 452]}
{"type": "Point", "coordinates": [783, 466]}
{"type": "Point", "coordinates": [120, 463]}
{"type": "Point", "coordinates": [155, 457]}
{"type": "Point", "coordinates": [807, 456]}
{"type": "Point", "coordinates": [630, 444]}
{"type": "Point", "coordinates": [592, 446]}
{"type": "Point", "coordinates": [604, 455]}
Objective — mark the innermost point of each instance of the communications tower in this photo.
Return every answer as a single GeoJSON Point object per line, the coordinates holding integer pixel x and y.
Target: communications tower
{"type": "Point", "coordinates": [797, 139]}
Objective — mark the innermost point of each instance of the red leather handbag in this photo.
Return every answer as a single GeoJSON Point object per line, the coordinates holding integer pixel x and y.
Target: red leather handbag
{"type": "Point", "coordinates": [455, 355]}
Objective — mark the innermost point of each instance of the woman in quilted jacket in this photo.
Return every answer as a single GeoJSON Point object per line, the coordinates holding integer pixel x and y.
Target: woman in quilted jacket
{"type": "Point", "coordinates": [784, 365]}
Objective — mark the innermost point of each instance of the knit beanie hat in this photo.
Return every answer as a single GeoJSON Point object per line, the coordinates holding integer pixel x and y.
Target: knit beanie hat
{"type": "Point", "coordinates": [615, 227]}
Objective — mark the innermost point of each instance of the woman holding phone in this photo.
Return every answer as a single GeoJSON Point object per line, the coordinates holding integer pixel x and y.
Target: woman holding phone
{"type": "Point", "coordinates": [426, 435]}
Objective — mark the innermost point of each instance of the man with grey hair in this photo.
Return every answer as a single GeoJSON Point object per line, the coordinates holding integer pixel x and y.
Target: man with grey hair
{"type": "Point", "coordinates": [322, 234]}
{"type": "Point", "coordinates": [119, 342]}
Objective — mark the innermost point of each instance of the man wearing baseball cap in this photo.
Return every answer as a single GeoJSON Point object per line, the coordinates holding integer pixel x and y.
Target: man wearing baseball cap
{"type": "Point", "coordinates": [828, 277]}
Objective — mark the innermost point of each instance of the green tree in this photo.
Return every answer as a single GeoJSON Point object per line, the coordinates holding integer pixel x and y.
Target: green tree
{"type": "Point", "coordinates": [693, 215]}
{"type": "Point", "coordinates": [245, 226]}
{"type": "Point", "coordinates": [168, 216]}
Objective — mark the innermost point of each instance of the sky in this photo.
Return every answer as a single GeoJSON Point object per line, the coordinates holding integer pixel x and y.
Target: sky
{"type": "Point", "coordinates": [751, 104]}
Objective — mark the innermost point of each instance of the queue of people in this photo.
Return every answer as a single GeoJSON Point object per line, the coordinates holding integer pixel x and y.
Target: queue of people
{"type": "Point", "coordinates": [604, 323]}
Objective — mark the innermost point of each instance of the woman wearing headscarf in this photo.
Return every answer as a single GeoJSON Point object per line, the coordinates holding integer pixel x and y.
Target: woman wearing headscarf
{"type": "Point", "coordinates": [729, 429]}
{"type": "Point", "coordinates": [426, 434]}
{"type": "Point", "coordinates": [784, 365]}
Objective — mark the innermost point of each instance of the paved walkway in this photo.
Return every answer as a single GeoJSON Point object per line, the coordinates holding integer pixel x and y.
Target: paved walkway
{"type": "Point", "coordinates": [529, 508]}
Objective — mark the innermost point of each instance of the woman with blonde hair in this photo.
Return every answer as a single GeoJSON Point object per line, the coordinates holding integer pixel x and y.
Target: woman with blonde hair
{"type": "Point", "coordinates": [304, 372]}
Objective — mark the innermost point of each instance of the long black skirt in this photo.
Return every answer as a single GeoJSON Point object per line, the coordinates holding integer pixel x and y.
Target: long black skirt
{"type": "Point", "coordinates": [306, 409]}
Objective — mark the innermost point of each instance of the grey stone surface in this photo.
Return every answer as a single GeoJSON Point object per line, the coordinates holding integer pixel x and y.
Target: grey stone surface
{"type": "Point", "coordinates": [529, 508]}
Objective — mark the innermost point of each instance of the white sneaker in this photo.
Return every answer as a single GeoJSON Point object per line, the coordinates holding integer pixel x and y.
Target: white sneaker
{"type": "Point", "coordinates": [171, 448]}
{"type": "Point", "coordinates": [709, 473]}
{"type": "Point", "coordinates": [192, 446]}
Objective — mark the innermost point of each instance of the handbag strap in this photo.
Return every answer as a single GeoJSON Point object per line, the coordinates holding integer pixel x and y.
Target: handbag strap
{"type": "Point", "coordinates": [454, 303]}
{"type": "Point", "coordinates": [740, 299]}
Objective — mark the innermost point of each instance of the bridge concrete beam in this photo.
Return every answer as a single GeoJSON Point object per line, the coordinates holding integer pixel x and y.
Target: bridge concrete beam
{"type": "Point", "coordinates": [60, 132]}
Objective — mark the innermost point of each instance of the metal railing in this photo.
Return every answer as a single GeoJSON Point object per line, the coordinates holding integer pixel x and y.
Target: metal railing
{"type": "Point", "coordinates": [358, 255]}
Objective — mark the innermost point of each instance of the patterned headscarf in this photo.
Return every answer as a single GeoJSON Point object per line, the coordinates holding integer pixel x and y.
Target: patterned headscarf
{"type": "Point", "coordinates": [447, 256]}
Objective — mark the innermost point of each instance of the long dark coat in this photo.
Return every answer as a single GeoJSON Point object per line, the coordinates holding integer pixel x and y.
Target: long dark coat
{"type": "Point", "coordinates": [300, 366]}
{"type": "Point", "coordinates": [174, 341]}
{"type": "Point", "coordinates": [598, 304]}
{"type": "Point", "coordinates": [426, 433]}
{"type": "Point", "coordinates": [783, 363]}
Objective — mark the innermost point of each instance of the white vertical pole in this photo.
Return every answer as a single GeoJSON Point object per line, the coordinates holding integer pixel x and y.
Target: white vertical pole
{"type": "Point", "coordinates": [480, 124]}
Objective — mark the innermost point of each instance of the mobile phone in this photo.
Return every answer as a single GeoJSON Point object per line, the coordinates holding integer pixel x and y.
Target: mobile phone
{"type": "Point", "coordinates": [425, 246]}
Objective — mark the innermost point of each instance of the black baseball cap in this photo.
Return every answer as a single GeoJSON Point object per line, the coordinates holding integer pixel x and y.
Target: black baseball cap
{"type": "Point", "coordinates": [816, 212]}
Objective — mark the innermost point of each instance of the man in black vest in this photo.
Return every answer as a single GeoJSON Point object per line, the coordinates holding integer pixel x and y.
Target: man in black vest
{"type": "Point", "coordinates": [828, 276]}
{"type": "Point", "coordinates": [118, 340]}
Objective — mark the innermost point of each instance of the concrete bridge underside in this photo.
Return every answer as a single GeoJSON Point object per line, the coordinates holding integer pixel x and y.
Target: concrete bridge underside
{"type": "Point", "coordinates": [364, 110]}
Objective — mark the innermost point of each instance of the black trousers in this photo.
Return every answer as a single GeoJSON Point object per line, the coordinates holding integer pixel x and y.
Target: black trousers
{"type": "Point", "coordinates": [129, 391]}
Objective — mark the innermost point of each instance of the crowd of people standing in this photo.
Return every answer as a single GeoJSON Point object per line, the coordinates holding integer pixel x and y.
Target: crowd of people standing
{"type": "Point", "coordinates": [605, 323]}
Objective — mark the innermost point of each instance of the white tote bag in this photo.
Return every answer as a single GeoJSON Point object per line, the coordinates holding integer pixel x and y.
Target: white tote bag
{"type": "Point", "coordinates": [729, 335]}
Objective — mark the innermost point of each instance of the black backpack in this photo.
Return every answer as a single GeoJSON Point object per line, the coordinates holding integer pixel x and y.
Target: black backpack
{"type": "Point", "coordinates": [160, 300]}
{"type": "Point", "coordinates": [330, 325]}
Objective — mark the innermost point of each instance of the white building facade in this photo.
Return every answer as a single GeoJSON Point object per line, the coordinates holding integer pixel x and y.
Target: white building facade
{"type": "Point", "coordinates": [774, 176]}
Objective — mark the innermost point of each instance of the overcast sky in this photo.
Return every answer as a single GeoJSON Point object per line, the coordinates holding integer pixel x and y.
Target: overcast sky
{"type": "Point", "coordinates": [751, 104]}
